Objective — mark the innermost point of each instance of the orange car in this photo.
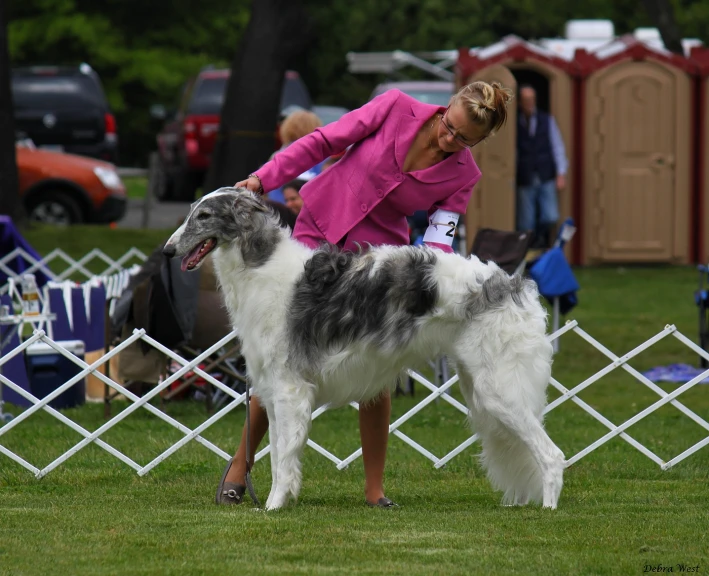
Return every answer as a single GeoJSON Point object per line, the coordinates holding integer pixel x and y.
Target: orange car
{"type": "Point", "coordinates": [59, 188]}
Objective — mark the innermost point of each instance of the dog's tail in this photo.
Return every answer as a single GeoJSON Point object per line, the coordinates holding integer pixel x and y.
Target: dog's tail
{"type": "Point", "coordinates": [504, 363]}
{"type": "Point", "coordinates": [506, 403]}
{"type": "Point", "coordinates": [509, 464]}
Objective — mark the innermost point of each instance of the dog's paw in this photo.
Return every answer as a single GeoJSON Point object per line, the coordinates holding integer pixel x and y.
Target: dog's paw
{"type": "Point", "coordinates": [276, 501]}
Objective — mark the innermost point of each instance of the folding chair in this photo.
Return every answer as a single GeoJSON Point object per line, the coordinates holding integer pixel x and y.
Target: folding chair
{"type": "Point", "coordinates": [223, 362]}
{"type": "Point", "coordinates": [506, 249]}
{"type": "Point", "coordinates": [555, 278]}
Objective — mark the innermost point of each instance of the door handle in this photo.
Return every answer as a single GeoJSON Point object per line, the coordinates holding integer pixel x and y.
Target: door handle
{"type": "Point", "coordinates": [662, 160]}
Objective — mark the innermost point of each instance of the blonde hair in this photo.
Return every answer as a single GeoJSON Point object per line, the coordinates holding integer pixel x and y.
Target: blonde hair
{"type": "Point", "coordinates": [485, 103]}
{"type": "Point", "coordinates": [297, 125]}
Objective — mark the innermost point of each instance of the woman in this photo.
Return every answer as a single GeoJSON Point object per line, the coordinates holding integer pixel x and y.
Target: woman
{"type": "Point", "coordinates": [404, 156]}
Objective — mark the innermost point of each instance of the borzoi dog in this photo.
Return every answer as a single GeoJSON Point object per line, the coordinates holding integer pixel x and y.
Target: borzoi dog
{"type": "Point", "coordinates": [330, 327]}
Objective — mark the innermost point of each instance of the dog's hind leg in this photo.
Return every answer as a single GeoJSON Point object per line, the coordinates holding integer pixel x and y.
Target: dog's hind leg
{"type": "Point", "coordinates": [292, 413]}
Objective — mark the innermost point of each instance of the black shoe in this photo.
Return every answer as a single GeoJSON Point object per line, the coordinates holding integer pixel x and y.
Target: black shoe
{"type": "Point", "coordinates": [383, 503]}
{"type": "Point", "coordinates": [229, 492]}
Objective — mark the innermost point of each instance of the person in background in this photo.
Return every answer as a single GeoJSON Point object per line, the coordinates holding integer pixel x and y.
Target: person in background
{"type": "Point", "coordinates": [291, 194]}
{"type": "Point", "coordinates": [541, 169]}
{"type": "Point", "coordinates": [296, 125]}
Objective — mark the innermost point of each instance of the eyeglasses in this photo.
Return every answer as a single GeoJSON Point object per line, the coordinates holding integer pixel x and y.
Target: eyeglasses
{"type": "Point", "coordinates": [462, 141]}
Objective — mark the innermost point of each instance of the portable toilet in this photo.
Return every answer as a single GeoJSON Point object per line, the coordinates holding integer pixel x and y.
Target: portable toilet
{"type": "Point", "coordinates": [636, 112]}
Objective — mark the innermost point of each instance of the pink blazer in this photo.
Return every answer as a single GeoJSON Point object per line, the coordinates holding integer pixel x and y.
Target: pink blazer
{"type": "Point", "coordinates": [380, 134]}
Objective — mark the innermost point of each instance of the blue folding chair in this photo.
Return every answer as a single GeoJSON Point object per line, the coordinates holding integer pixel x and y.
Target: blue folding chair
{"type": "Point", "coordinates": [554, 277]}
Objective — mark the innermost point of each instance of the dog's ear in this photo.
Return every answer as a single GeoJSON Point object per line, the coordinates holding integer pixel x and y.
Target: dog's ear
{"type": "Point", "coordinates": [248, 203]}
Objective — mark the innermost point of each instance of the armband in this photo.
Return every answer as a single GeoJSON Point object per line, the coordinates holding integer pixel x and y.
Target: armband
{"type": "Point", "coordinates": [441, 227]}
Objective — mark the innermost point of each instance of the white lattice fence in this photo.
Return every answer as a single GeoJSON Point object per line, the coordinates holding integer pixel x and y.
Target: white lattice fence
{"type": "Point", "coordinates": [57, 258]}
{"type": "Point", "coordinates": [436, 392]}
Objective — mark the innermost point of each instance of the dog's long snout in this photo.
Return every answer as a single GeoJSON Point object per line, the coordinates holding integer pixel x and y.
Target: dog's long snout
{"type": "Point", "coordinates": [169, 250]}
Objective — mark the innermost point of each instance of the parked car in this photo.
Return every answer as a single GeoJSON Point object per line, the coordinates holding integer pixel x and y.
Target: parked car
{"type": "Point", "coordinates": [186, 141]}
{"type": "Point", "coordinates": [329, 114]}
{"type": "Point", "coordinates": [430, 92]}
{"type": "Point", "coordinates": [64, 109]}
{"type": "Point", "coordinates": [59, 188]}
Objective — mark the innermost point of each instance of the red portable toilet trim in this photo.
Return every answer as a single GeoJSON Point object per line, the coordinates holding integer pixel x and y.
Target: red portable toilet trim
{"type": "Point", "coordinates": [627, 48]}
{"type": "Point", "coordinates": [700, 57]}
{"type": "Point", "coordinates": [588, 62]}
{"type": "Point", "coordinates": [509, 48]}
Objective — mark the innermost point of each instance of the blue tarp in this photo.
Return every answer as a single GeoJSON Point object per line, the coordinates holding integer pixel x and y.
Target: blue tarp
{"type": "Point", "coordinates": [680, 373]}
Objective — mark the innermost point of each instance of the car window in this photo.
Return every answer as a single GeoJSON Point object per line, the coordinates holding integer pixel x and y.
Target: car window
{"type": "Point", "coordinates": [437, 98]}
{"type": "Point", "coordinates": [184, 97]}
{"type": "Point", "coordinates": [208, 96]}
{"type": "Point", "coordinates": [295, 93]}
{"type": "Point", "coordinates": [58, 92]}
{"type": "Point", "coordinates": [329, 114]}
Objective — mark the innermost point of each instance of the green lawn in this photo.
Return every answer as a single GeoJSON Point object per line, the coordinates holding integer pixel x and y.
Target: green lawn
{"type": "Point", "coordinates": [618, 512]}
{"type": "Point", "coordinates": [78, 240]}
{"type": "Point", "coordinates": [136, 187]}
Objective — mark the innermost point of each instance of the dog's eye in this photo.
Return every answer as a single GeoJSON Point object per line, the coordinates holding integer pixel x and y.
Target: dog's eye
{"type": "Point", "coordinates": [203, 215]}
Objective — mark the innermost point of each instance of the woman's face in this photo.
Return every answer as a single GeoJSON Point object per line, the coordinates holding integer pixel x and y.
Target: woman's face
{"type": "Point", "coordinates": [456, 132]}
{"type": "Point", "coordinates": [293, 199]}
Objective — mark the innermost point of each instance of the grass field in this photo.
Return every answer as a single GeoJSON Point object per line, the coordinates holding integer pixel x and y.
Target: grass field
{"type": "Point", "coordinates": [618, 512]}
{"type": "Point", "coordinates": [78, 240]}
{"type": "Point", "coordinates": [136, 187]}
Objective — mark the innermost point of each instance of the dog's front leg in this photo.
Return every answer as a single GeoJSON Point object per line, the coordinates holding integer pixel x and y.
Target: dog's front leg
{"type": "Point", "coordinates": [292, 412]}
{"type": "Point", "coordinates": [273, 441]}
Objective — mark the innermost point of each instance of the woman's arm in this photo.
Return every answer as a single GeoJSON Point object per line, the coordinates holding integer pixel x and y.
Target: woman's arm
{"type": "Point", "coordinates": [443, 217]}
{"type": "Point", "coordinates": [334, 138]}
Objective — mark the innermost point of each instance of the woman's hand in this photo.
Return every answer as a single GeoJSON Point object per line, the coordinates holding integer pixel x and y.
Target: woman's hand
{"type": "Point", "coordinates": [251, 183]}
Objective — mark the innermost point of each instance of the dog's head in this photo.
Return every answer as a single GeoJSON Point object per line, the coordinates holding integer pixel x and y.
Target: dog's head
{"type": "Point", "coordinates": [214, 220]}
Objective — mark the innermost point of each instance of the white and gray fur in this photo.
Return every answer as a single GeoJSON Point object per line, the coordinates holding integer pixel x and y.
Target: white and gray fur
{"type": "Point", "coordinates": [330, 327]}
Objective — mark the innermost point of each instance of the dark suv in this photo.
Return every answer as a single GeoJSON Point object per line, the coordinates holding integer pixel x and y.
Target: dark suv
{"type": "Point", "coordinates": [186, 141]}
{"type": "Point", "coordinates": [64, 109]}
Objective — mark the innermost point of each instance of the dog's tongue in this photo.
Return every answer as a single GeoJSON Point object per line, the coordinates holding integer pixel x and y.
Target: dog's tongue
{"type": "Point", "coordinates": [191, 260]}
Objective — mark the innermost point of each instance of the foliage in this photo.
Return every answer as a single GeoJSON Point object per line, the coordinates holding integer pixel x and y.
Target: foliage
{"type": "Point", "coordinates": [144, 51]}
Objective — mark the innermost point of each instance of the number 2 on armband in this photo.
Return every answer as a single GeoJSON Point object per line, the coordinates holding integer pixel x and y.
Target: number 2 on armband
{"type": "Point", "coordinates": [451, 232]}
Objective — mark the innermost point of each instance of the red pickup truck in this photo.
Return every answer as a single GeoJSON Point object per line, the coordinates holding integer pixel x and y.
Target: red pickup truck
{"type": "Point", "coordinates": [187, 139]}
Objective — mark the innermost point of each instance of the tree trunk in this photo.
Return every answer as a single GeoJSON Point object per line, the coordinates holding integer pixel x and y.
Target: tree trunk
{"type": "Point", "coordinates": [277, 31]}
{"type": "Point", "coordinates": [9, 187]}
{"type": "Point", "coordinates": [663, 17]}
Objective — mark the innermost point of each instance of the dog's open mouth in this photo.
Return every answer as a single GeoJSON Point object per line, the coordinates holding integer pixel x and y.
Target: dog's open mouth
{"type": "Point", "coordinates": [198, 253]}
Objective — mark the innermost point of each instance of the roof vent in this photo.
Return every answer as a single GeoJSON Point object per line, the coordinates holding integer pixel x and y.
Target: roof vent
{"type": "Point", "coordinates": [647, 35]}
{"type": "Point", "coordinates": [590, 30]}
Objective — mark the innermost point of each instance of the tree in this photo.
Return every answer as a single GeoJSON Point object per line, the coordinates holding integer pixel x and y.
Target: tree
{"type": "Point", "coordinates": [663, 17]}
{"type": "Point", "coordinates": [277, 31]}
{"type": "Point", "coordinates": [9, 186]}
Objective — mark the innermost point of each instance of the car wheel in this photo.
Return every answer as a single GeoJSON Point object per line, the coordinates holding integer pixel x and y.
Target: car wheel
{"type": "Point", "coordinates": [55, 208]}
